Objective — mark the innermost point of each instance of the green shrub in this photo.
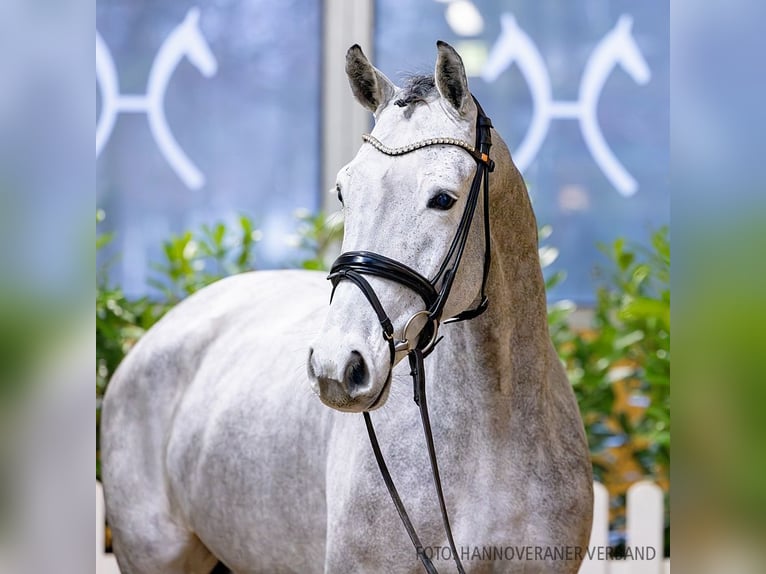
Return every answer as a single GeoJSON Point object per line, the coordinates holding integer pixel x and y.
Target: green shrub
{"type": "Point", "coordinates": [619, 366]}
{"type": "Point", "coordinates": [193, 260]}
{"type": "Point", "coordinates": [319, 236]}
{"type": "Point", "coordinates": [628, 343]}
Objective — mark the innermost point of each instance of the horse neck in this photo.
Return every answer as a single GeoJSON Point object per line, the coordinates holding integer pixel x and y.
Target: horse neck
{"type": "Point", "coordinates": [509, 344]}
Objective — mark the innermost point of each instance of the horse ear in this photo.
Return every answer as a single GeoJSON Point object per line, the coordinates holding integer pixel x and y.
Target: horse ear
{"type": "Point", "coordinates": [450, 78]}
{"type": "Point", "coordinates": [370, 86]}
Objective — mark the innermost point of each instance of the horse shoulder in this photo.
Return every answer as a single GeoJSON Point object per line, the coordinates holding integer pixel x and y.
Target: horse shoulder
{"type": "Point", "coordinates": [162, 373]}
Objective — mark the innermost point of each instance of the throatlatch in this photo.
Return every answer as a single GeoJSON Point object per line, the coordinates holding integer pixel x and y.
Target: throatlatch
{"type": "Point", "coordinates": [354, 265]}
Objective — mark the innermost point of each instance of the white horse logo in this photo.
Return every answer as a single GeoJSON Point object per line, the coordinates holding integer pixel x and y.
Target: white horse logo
{"type": "Point", "coordinates": [185, 40]}
{"type": "Point", "coordinates": [617, 47]}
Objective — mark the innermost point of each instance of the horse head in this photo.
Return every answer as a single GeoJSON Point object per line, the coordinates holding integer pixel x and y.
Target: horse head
{"type": "Point", "coordinates": [197, 49]}
{"type": "Point", "coordinates": [405, 207]}
{"type": "Point", "coordinates": [626, 50]}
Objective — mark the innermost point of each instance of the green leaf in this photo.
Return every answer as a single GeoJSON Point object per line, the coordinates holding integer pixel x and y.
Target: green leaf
{"type": "Point", "coordinates": [628, 339]}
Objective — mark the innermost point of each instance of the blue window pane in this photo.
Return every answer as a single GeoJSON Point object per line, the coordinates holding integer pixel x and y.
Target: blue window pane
{"type": "Point", "coordinates": [204, 113]}
{"type": "Point", "coordinates": [579, 90]}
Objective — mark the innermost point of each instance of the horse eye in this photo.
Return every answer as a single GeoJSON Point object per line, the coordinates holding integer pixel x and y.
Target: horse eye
{"type": "Point", "coordinates": [442, 201]}
{"type": "Point", "coordinates": [340, 195]}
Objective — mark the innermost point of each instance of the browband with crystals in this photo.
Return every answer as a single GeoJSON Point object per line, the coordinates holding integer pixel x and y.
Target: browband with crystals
{"type": "Point", "coordinates": [378, 145]}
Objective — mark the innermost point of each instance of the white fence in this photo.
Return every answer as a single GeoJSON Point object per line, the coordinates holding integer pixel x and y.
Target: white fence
{"type": "Point", "coordinates": [644, 534]}
{"type": "Point", "coordinates": [105, 563]}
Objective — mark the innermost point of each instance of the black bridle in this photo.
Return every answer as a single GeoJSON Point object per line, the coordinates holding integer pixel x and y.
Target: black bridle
{"type": "Point", "coordinates": [354, 265]}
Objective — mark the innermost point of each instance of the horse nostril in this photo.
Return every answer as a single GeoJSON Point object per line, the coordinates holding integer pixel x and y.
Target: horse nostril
{"type": "Point", "coordinates": [356, 372]}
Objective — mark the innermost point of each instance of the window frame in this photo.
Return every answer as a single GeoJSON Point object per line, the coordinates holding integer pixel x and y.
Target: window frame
{"type": "Point", "coordinates": [343, 119]}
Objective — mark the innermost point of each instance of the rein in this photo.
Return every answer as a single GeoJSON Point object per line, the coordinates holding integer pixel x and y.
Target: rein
{"type": "Point", "coordinates": [354, 265]}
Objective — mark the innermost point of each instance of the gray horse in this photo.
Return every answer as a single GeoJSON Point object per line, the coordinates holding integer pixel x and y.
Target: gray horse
{"type": "Point", "coordinates": [215, 447]}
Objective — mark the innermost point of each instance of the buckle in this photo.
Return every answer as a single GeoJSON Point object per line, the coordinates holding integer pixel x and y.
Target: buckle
{"type": "Point", "coordinates": [405, 346]}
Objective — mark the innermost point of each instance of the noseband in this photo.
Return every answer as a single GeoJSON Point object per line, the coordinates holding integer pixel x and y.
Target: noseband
{"type": "Point", "coordinates": [355, 265]}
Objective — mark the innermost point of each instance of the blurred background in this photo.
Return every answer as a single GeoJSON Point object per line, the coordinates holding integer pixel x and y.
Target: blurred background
{"type": "Point", "coordinates": [256, 115]}
{"type": "Point", "coordinates": [48, 189]}
{"type": "Point", "coordinates": [221, 124]}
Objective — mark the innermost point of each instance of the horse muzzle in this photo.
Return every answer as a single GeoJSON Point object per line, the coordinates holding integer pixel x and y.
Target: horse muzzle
{"type": "Point", "coordinates": [345, 381]}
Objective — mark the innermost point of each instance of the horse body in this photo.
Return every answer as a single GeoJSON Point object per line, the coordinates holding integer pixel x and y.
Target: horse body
{"type": "Point", "coordinates": [214, 447]}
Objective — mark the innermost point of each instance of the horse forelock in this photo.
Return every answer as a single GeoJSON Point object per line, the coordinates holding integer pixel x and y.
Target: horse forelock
{"type": "Point", "coordinates": [416, 89]}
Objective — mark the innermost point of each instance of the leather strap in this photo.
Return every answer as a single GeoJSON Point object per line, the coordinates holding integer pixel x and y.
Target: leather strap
{"type": "Point", "coordinates": [369, 263]}
{"type": "Point", "coordinates": [369, 293]}
{"type": "Point", "coordinates": [403, 516]}
{"type": "Point", "coordinates": [381, 266]}
{"type": "Point", "coordinates": [483, 143]}
{"type": "Point", "coordinates": [484, 301]}
{"type": "Point", "coordinates": [418, 374]}
{"type": "Point", "coordinates": [419, 383]}
{"type": "Point", "coordinates": [354, 265]}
